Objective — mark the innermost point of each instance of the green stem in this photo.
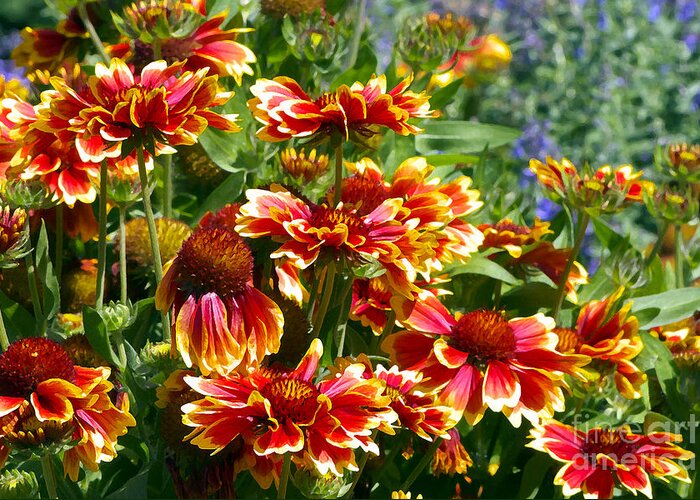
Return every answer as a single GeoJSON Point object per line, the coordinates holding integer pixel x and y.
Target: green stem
{"type": "Point", "coordinates": [59, 242]}
{"type": "Point", "coordinates": [388, 328]}
{"type": "Point", "coordinates": [357, 35]}
{"type": "Point", "coordinates": [4, 341]}
{"type": "Point", "coordinates": [338, 173]}
{"type": "Point", "coordinates": [422, 464]}
{"type": "Point", "coordinates": [156, 50]}
{"type": "Point", "coordinates": [123, 287]}
{"type": "Point", "coordinates": [31, 279]}
{"type": "Point", "coordinates": [342, 323]}
{"type": "Point", "coordinates": [583, 219]}
{"type": "Point", "coordinates": [148, 209]}
{"type": "Point", "coordinates": [680, 281]}
{"type": "Point", "coordinates": [497, 294]}
{"type": "Point", "coordinates": [167, 187]}
{"type": "Point", "coordinates": [325, 299]}
{"type": "Point", "coordinates": [85, 18]}
{"type": "Point", "coordinates": [360, 468]}
{"type": "Point", "coordinates": [102, 243]}
{"type": "Point", "coordinates": [284, 477]}
{"type": "Point", "coordinates": [663, 227]}
{"type": "Point", "coordinates": [49, 475]}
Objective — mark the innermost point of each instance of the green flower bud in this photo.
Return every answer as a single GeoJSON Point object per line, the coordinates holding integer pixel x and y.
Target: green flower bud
{"type": "Point", "coordinates": [314, 485]}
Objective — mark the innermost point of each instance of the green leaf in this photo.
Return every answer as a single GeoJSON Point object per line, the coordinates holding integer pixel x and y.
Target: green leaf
{"type": "Point", "coordinates": [97, 335]}
{"type": "Point", "coordinates": [18, 322]}
{"type": "Point", "coordinates": [485, 267]}
{"type": "Point", "coordinates": [136, 332]}
{"type": "Point", "coordinates": [450, 159]}
{"type": "Point", "coordinates": [531, 297]}
{"type": "Point", "coordinates": [666, 372]}
{"type": "Point", "coordinates": [462, 137]}
{"type": "Point", "coordinates": [443, 96]}
{"type": "Point", "coordinates": [222, 148]}
{"type": "Point", "coordinates": [226, 192]}
{"type": "Point", "coordinates": [666, 307]}
{"type": "Point", "coordinates": [533, 474]}
{"type": "Point", "coordinates": [44, 267]}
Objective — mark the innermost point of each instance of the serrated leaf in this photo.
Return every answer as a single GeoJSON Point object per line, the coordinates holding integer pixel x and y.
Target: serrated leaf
{"type": "Point", "coordinates": [462, 137]}
{"type": "Point", "coordinates": [666, 307]}
{"type": "Point", "coordinates": [666, 372]}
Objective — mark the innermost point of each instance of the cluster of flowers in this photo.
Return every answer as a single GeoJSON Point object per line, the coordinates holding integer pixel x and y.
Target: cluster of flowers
{"type": "Point", "coordinates": [248, 291]}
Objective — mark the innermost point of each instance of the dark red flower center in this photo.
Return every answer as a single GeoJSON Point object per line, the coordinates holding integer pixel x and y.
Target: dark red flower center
{"type": "Point", "coordinates": [30, 361]}
{"type": "Point", "coordinates": [485, 335]}
{"type": "Point", "coordinates": [214, 259]}
{"type": "Point", "coordinates": [617, 444]}
{"type": "Point", "coordinates": [291, 399]}
{"type": "Point", "coordinates": [323, 216]}
{"type": "Point", "coordinates": [364, 194]}
{"type": "Point", "coordinates": [513, 228]}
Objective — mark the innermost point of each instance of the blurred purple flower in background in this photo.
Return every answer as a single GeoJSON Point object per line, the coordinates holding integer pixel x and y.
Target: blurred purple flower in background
{"type": "Point", "coordinates": [7, 65]}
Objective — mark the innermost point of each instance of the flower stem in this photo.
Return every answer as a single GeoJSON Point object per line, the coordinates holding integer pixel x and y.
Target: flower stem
{"type": "Point", "coordinates": [123, 287]}
{"type": "Point", "coordinates": [663, 227]}
{"type": "Point", "coordinates": [325, 299]}
{"type": "Point", "coordinates": [422, 464]}
{"type": "Point", "coordinates": [167, 186]}
{"type": "Point", "coordinates": [388, 327]}
{"type": "Point", "coordinates": [31, 279]}
{"type": "Point", "coordinates": [583, 219]}
{"type": "Point", "coordinates": [49, 475]}
{"type": "Point", "coordinates": [342, 322]}
{"type": "Point", "coordinates": [59, 242]}
{"type": "Point", "coordinates": [284, 477]}
{"type": "Point", "coordinates": [148, 209]}
{"type": "Point", "coordinates": [338, 173]}
{"type": "Point", "coordinates": [357, 35]}
{"type": "Point", "coordinates": [4, 341]}
{"type": "Point", "coordinates": [360, 468]}
{"type": "Point", "coordinates": [680, 281]}
{"type": "Point", "coordinates": [94, 37]}
{"type": "Point", "coordinates": [102, 243]}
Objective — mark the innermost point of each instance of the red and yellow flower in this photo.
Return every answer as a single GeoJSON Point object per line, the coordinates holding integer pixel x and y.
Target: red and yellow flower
{"type": "Point", "coordinates": [486, 56]}
{"type": "Point", "coordinates": [47, 400]}
{"type": "Point", "coordinates": [604, 190]}
{"type": "Point", "coordinates": [451, 457]}
{"type": "Point", "coordinates": [220, 319]}
{"type": "Point", "coordinates": [286, 111]}
{"type": "Point", "coordinates": [598, 459]}
{"type": "Point", "coordinates": [483, 360]}
{"type": "Point", "coordinates": [306, 230]}
{"type": "Point", "coordinates": [277, 411]}
{"type": "Point", "coordinates": [159, 108]}
{"type": "Point", "coordinates": [300, 165]}
{"type": "Point", "coordinates": [204, 46]}
{"type": "Point", "coordinates": [513, 237]}
{"type": "Point", "coordinates": [610, 338]}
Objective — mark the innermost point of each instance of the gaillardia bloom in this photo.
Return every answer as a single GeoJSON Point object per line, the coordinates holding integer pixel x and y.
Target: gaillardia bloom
{"type": "Point", "coordinates": [513, 237]}
{"type": "Point", "coordinates": [189, 37]}
{"type": "Point", "coordinates": [603, 190]}
{"type": "Point", "coordinates": [451, 457]}
{"type": "Point", "coordinates": [484, 360]}
{"type": "Point", "coordinates": [13, 237]}
{"type": "Point", "coordinates": [307, 230]}
{"type": "Point", "coordinates": [159, 108]}
{"type": "Point", "coordinates": [611, 340]}
{"type": "Point", "coordinates": [277, 411]}
{"type": "Point", "coordinates": [219, 318]}
{"type": "Point", "coordinates": [286, 111]}
{"type": "Point", "coordinates": [599, 459]}
{"type": "Point", "coordinates": [46, 400]}
{"type": "Point", "coordinates": [301, 165]}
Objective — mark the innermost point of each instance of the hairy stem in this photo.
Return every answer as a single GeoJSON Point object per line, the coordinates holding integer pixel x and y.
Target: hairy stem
{"type": "Point", "coordinates": [360, 468]}
{"type": "Point", "coordinates": [338, 172]}
{"type": "Point", "coordinates": [167, 186]}
{"type": "Point", "coordinates": [680, 280]}
{"type": "Point", "coordinates": [422, 464]}
{"type": "Point", "coordinates": [326, 294]}
{"type": "Point", "coordinates": [148, 209]}
{"type": "Point", "coordinates": [663, 227]}
{"type": "Point", "coordinates": [357, 35]}
{"type": "Point", "coordinates": [102, 243]}
{"type": "Point", "coordinates": [31, 281]}
{"type": "Point", "coordinates": [388, 327]}
{"type": "Point", "coordinates": [583, 219]}
{"type": "Point", "coordinates": [4, 341]}
{"type": "Point", "coordinates": [49, 475]}
{"type": "Point", "coordinates": [123, 287]}
{"type": "Point", "coordinates": [284, 477]}
{"type": "Point", "coordinates": [94, 37]}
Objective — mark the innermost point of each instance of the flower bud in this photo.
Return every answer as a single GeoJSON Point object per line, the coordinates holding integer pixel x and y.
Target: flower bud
{"type": "Point", "coordinates": [16, 484]}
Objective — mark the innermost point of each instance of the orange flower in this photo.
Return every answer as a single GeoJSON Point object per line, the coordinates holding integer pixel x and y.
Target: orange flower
{"type": "Point", "coordinates": [161, 107]}
{"type": "Point", "coordinates": [299, 165]}
{"type": "Point", "coordinates": [307, 230]}
{"type": "Point", "coordinates": [286, 111]}
{"type": "Point", "coordinates": [13, 237]}
{"type": "Point", "coordinates": [219, 318]}
{"type": "Point", "coordinates": [486, 56]}
{"type": "Point", "coordinates": [605, 190]}
{"type": "Point", "coordinates": [596, 459]}
{"type": "Point", "coordinates": [483, 360]}
{"type": "Point", "coordinates": [41, 387]}
{"type": "Point", "coordinates": [277, 412]}
{"type": "Point", "coordinates": [436, 209]}
{"type": "Point", "coordinates": [206, 46]}
{"type": "Point", "coordinates": [610, 339]}
{"type": "Point", "coordinates": [16, 115]}
{"type": "Point", "coordinates": [513, 237]}
{"type": "Point", "coordinates": [451, 457]}
{"type": "Point", "coordinates": [46, 50]}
